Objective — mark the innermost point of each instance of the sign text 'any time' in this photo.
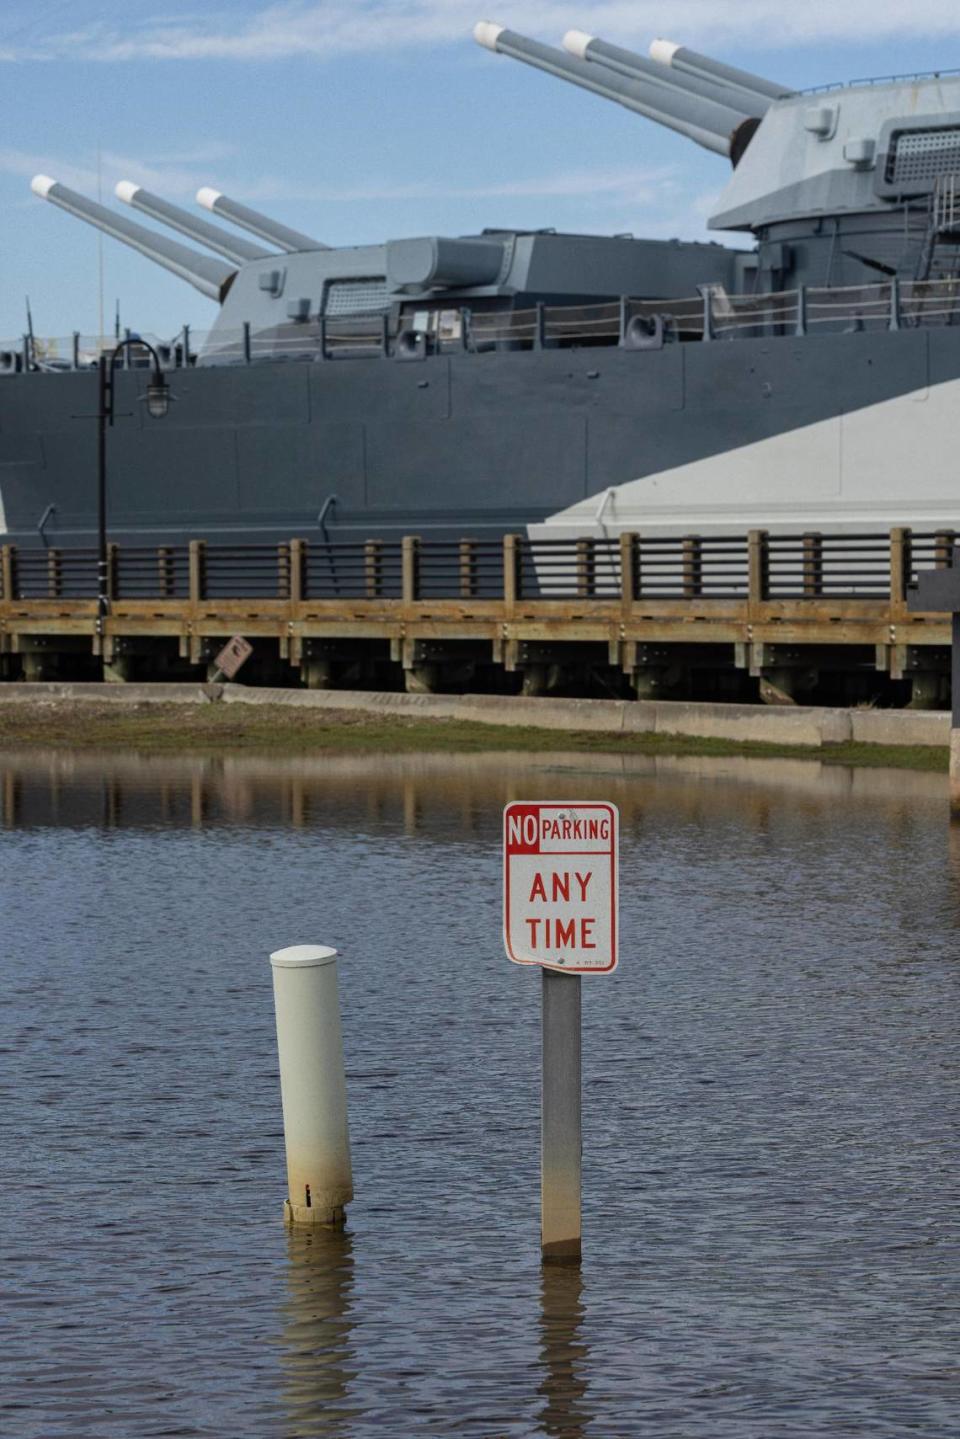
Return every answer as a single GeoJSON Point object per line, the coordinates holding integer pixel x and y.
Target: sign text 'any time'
{"type": "Point", "coordinates": [560, 885]}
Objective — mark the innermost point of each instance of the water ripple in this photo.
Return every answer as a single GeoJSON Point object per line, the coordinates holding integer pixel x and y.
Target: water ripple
{"type": "Point", "coordinates": [771, 1095]}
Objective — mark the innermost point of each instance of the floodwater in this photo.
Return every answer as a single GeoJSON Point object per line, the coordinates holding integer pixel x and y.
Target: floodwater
{"type": "Point", "coordinates": [771, 1097]}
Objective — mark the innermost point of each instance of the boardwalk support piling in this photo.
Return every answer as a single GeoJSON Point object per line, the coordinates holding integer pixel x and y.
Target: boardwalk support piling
{"type": "Point", "coordinates": [312, 1084]}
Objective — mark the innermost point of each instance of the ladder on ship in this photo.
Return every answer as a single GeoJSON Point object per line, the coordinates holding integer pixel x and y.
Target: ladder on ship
{"type": "Point", "coordinates": [939, 257]}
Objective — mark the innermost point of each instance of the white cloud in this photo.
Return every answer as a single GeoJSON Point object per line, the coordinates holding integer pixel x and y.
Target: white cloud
{"type": "Point", "coordinates": [336, 27]}
{"type": "Point", "coordinates": [627, 184]}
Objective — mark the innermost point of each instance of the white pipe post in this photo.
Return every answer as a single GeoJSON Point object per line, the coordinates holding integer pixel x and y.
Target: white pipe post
{"type": "Point", "coordinates": [313, 1085]}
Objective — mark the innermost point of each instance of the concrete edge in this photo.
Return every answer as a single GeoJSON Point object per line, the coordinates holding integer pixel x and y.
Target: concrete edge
{"type": "Point", "coordinates": [739, 724]}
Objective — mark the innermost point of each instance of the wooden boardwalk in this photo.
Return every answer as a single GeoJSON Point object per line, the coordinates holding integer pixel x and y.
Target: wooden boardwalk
{"type": "Point", "coordinates": [760, 603]}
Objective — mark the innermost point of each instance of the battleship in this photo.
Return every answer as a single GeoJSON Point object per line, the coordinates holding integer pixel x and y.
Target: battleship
{"type": "Point", "coordinates": [802, 376]}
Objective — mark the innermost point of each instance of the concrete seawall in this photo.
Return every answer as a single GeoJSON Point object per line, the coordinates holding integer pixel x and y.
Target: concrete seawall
{"type": "Point", "coordinates": [741, 724]}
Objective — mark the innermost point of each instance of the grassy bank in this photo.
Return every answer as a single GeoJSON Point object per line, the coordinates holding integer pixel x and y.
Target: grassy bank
{"type": "Point", "coordinates": [276, 729]}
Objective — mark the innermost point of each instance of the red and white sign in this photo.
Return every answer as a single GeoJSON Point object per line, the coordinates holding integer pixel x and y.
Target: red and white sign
{"type": "Point", "coordinates": [560, 885]}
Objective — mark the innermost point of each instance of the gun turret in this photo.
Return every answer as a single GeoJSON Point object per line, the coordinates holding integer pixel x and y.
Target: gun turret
{"type": "Point", "coordinates": [211, 277]}
{"type": "Point", "coordinates": [261, 225]}
{"type": "Point", "coordinates": [689, 62]}
{"type": "Point", "coordinates": [434, 262]}
{"type": "Point", "coordinates": [638, 67]}
{"type": "Point", "coordinates": [222, 242]}
{"type": "Point", "coordinates": [715, 127]}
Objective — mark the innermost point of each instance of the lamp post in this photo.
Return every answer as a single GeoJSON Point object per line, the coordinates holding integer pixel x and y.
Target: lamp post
{"type": "Point", "coordinates": [158, 402]}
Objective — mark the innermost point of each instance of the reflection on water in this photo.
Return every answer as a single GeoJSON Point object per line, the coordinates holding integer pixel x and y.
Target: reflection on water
{"type": "Point", "coordinates": [771, 1101]}
{"type": "Point", "coordinates": [316, 1359]}
{"type": "Point", "coordinates": [564, 1354]}
{"type": "Point", "coordinates": [120, 791]}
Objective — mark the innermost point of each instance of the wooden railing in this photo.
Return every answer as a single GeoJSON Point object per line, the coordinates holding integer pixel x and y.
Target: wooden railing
{"type": "Point", "coordinates": [757, 566]}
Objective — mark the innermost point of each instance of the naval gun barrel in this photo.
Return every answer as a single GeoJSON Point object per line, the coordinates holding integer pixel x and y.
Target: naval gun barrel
{"type": "Point", "coordinates": [689, 62]}
{"type": "Point", "coordinates": [260, 225]}
{"type": "Point", "coordinates": [222, 242]}
{"type": "Point", "coordinates": [638, 67]}
{"type": "Point", "coordinates": [708, 124]}
{"type": "Point", "coordinates": [211, 277]}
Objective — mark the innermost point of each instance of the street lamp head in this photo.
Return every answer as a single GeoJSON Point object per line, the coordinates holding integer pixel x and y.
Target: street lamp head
{"type": "Point", "coordinates": [158, 395]}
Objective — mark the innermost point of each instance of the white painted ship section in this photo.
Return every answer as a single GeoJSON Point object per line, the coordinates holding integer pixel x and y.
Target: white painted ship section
{"type": "Point", "coordinates": [888, 464]}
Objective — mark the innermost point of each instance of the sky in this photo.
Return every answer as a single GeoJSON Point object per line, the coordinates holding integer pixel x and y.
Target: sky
{"type": "Point", "coordinates": [357, 121]}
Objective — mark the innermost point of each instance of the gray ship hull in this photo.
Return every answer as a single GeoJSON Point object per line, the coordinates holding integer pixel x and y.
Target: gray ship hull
{"type": "Point", "coordinates": [464, 444]}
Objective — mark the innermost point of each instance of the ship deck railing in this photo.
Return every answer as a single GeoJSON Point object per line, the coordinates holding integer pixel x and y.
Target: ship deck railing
{"type": "Point", "coordinates": [629, 322]}
{"type": "Point", "coordinates": [908, 77]}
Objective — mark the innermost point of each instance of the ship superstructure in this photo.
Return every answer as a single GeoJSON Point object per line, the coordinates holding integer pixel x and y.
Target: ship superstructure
{"type": "Point", "coordinates": [566, 384]}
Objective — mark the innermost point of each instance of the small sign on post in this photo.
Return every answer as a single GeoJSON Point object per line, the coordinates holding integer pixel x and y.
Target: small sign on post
{"type": "Point", "coordinates": [235, 653]}
{"type": "Point", "coordinates": [560, 915]}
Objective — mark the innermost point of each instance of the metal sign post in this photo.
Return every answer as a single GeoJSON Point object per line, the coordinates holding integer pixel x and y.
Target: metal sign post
{"type": "Point", "coordinates": [935, 592]}
{"type": "Point", "coordinates": [560, 1120]}
{"type": "Point", "coordinates": [560, 915]}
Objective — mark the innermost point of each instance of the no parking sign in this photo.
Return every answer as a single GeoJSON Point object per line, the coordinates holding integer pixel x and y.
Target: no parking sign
{"type": "Point", "coordinates": [560, 885]}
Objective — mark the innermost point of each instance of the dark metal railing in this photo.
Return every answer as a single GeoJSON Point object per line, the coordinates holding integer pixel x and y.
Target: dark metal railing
{"type": "Point", "coordinates": [352, 571]}
{"type": "Point", "coordinates": [138, 572]}
{"type": "Point", "coordinates": [53, 574]}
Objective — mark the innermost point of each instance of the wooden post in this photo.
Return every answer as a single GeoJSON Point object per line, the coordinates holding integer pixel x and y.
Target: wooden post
{"type": "Point", "coordinates": [899, 566]}
{"type": "Point", "coordinates": [943, 544]}
{"type": "Point", "coordinates": [628, 571]}
{"type": "Point", "coordinates": [468, 569]}
{"type": "Point", "coordinates": [512, 584]}
{"type": "Point", "coordinates": [410, 560]}
{"type": "Point", "coordinates": [692, 567]}
{"type": "Point", "coordinates": [298, 565]}
{"type": "Point", "coordinates": [282, 588]}
{"type": "Point", "coordinates": [560, 1152]}
{"type": "Point", "coordinates": [53, 574]}
{"type": "Point", "coordinates": [586, 566]}
{"type": "Point", "coordinates": [373, 568]}
{"type": "Point", "coordinates": [197, 567]}
{"type": "Point", "coordinates": [165, 571]}
{"type": "Point", "coordinates": [812, 564]}
{"type": "Point", "coordinates": [9, 797]}
{"type": "Point", "coordinates": [7, 571]}
{"type": "Point", "coordinates": [759, 566]}
{"type": "Point", "coordinates": [638, 568]}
